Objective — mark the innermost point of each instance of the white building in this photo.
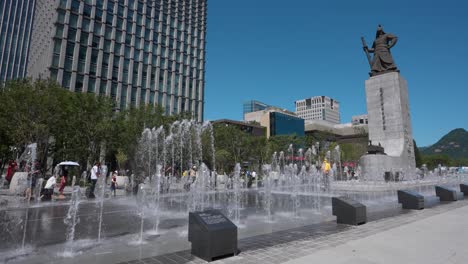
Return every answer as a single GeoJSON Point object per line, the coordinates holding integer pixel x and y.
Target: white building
{"type": "Point", "coordinates": [360, 119]}
{"type": "Point", "coordinates": [319, 108]}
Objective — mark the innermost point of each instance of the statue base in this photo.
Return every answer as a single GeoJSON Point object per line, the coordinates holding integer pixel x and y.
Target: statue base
{"type": "Point", "coordinates": [382, 168]}
{"type": "Point", "coordinates": [371, 74]}
{"type": "Point", "coordinates": [389, 126]}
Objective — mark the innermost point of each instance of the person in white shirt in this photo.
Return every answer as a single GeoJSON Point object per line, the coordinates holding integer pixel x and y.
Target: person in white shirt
{"type": "Point", "coordinates": [51, 182]}
{"type": "Point", "coordinates": [49, 188]}
{"type": "Point", "coordinates": [95, 173]}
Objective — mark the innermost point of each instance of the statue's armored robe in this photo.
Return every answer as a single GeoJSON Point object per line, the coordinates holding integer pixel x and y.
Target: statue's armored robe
{"type": "Point", "coordinates": [383, 60]}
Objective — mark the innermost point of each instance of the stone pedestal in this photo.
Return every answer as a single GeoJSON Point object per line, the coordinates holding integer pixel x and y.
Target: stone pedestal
{"type": "Point", "coordinates": [212, 235]}
{"type": "Point", "coordinates": [348, 211]}
{"type": "Point", "coordinates": [464, 189]}
{"type": "Point", "coordinates": [446, 194]}
{"type": "Point", "coordinates": [122, 182]}
{"type": "Point", "coordinates": [19, 183]}
{"type": "Point", "coordinates": [389, 126]}
{"type": "Point", "coordinates": [410, 200]}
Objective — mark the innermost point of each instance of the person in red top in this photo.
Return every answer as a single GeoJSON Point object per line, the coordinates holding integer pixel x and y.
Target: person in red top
{"type": "Point", "coordinates": [12, 166]}
{"type": "Point", "coordinates": [63, 182]}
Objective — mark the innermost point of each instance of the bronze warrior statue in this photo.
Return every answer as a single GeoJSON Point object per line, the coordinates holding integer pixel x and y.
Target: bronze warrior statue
{"type": "Point", "coordinates": [382, 61]}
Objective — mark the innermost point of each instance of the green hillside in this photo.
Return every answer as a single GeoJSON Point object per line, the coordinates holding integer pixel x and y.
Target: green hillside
{"type": "Point", "coordinates": [454, 144]}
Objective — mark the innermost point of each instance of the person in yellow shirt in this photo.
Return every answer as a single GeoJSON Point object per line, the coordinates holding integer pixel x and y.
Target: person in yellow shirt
{"type": "Point", "coordinates": [326, 174]}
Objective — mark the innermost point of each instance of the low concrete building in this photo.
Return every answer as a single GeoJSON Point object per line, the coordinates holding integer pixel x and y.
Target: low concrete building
{"type": "Point", "coordinates": [248, 127]}
{"type": "Point", "coordinates": [277, 121]}
{"type": "Point", "coordinates": [360, 119]}
{"type": "Point", "coordinates": [342, 133]}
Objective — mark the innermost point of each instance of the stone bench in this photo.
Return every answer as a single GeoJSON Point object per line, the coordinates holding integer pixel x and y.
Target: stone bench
{"type": "Point", "coordinates": [464, 189]}
{"type": "Point", "coordinates": [446, 194]}
{"type": "Point", "coordinates": [348, 211]}
{"type": "Point", "coordinates": [212, 235]}
{"type": "Point", "coordinates": [410, 200]}
{"type": "Point", "coordinates": [431, 201]}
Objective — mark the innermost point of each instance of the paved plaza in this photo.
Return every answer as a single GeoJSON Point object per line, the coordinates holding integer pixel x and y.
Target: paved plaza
{"type": "Point", "coordinates": [433, 235]}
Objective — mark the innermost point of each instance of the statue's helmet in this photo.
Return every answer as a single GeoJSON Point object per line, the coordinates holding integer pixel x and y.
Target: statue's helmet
{"type": "Point", "coordinates": [380, 31]}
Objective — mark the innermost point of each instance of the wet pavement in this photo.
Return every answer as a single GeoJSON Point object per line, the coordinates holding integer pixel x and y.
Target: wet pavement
{"type": "Point", "coordinates": [317, 243]}
{"type": "Point", "coordinates": [44, 237]}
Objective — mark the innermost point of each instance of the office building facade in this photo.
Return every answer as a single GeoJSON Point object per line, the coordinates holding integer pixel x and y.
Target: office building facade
{"type": "Point", "coordinates": [319, 108]}
{"type": "Point", "coordinates": [277, 121]}
{"type": "Point", "coordinates": [137, 52]}
{"type": "Point", "coordinates": [285, 124]}
{"type": "Point", "coordinates": [247, 127]}
{"type": "Point", "coordinates": [16, 18]}
{"type": "Point", "coordinates": [253, 106]}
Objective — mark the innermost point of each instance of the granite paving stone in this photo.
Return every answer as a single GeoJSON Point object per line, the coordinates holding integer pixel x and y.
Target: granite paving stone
{"type": "Point", "coordinates": [283, 246]}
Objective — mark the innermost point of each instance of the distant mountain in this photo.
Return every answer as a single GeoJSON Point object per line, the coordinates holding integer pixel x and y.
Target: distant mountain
{"type": "Point", "coordinates": [454, 144]}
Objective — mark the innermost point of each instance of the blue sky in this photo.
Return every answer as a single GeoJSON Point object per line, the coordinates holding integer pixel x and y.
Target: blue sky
{"type": "Point", "coordinates": [281, 51]}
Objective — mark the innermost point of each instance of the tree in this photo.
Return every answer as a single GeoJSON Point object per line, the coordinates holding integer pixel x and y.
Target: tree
{"type": "Point", "coordinates": [236, 146]}
{"type": "Point", "coordinates": [121, 158]}
{"type": "Point", "coordinates": [32, 112]}
{"type": "Point", "coordinates": [353, 151]}
{"type": "Point", "coordinates": [417, 155]}
{"type": "Point", "coordinates": [223, 158]}
{"type": "Point", "coordinates": [433, 161]}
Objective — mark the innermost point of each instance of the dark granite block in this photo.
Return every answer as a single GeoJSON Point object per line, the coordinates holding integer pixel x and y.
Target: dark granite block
{"type": "Point", "coordinates": [348, 211]}
{"type": "Point", "coordinates": [410, 200]}
{"type": "Point", "coordinates": [464, 189]}
{"type": "Point", "coordinates": [212, 235]}
{"type": "Point", "coordinates": [446, 194]}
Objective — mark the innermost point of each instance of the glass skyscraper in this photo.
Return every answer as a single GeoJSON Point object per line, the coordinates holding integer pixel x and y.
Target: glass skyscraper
{"type": "Point", "coordinates": [285, 124]}
{"type": "Point", "coordinates": [253, 106]}
{"type": "Point", "coordinates": [16, 18]}
{"type": "Point", "coordinates": [135, 51]}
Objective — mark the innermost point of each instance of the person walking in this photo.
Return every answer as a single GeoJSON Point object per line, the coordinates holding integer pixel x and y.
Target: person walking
{"type": "Point", "coordinates": [33, 175]}
{"type": "Point", "coordinates": [95, 173]}
{"type": "Point", "coordinates": [12, 166]}
{"type": "Point", "coordinates": [326, 174]}
{"type": "Point", "coordinates": [346, 172]}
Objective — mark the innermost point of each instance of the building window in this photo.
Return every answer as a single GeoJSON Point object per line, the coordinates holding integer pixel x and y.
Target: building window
{"type": "Point", "coordinates": [61, 16]}
{"type": "Point", "coordinates": [98, 14]}
{"type": "Point", "coordinates": [85, 24]}
{"type": "Point", "coordinates": [79, 83]}
{"type": "Point", "coordinates": [75, 6]}
{"type": "Point", "coordinates": [59, 31]}
{"type": "Point", "coordinates": [73, 20]}
{"type": "Point", "coordinates": [63, 4]}
{"type": "Point", "coordinates": [87, 10]}
{"type": "Point", "coordinates": [91, 85]}
{"type": "Point", "coordinates": [71, 34]}
{"type": "Point", "coordinates": [66, 79]}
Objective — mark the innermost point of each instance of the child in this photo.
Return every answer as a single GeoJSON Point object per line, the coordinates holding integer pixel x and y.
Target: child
{"type": "Point", "coordinates": [63, 182]}
{"type": "Point", "coordinates": [114, 182]}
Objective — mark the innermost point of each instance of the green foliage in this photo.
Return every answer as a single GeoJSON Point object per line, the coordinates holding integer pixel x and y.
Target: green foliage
{"type": "Point", "coordinates": [432, 161]}
{"type": "Point", "coordinates": [236, 146]}
{"type": "Point", "coordinates": [417, 155]}
{"type": "Point", "coordinates": [71, 126]}
{"type": "Point", "coordinates": [353, 151]}
{"type": "Point", "coordinates": [121, 158]}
